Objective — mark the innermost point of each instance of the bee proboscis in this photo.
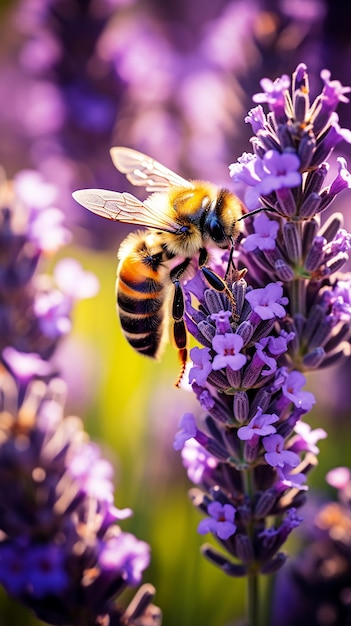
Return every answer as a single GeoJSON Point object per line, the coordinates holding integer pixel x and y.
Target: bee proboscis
{"type": "Point", "coordinates": [182, 219]}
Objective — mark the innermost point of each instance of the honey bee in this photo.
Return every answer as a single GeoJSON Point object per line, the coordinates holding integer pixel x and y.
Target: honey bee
{"type": "Point", "coordinates": [182, 219]}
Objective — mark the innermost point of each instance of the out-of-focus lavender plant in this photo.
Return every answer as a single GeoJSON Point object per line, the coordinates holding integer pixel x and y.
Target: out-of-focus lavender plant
{"type": "Point", "coordinates": [315, 588]}
{"type": "Point", "coordinates": [62, 553]}
{"type": "Point", "coordinates": [249, 452]}
{"type": "Point", "coordinates": [84, 74]}
{"type": "Point", "coordinates": [35, 308]}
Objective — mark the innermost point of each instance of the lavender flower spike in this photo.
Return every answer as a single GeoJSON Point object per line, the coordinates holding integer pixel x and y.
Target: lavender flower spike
{"type": "Point", "coordinates": [61, 551]}
{"type": "Point", "coordinates": [250, 453]}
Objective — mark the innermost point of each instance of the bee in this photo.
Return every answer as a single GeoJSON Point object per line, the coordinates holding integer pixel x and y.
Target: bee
{"type": "Point", "coordinates": [183, 219]}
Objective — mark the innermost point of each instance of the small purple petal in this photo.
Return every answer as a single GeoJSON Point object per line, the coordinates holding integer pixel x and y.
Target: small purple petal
{"type": "Point", "coordinates": [197, 461]}
{"type": "Point", "coordinates": [275, 453]}
{"type": "Point", "coordinates": [228, 348]}
{"type": "Point", "coordinates": [267, 302]}
{"type": "Point", "coordinates": [25, 365]}
{"type": "Point", "coordinates": [265, 235]}
{"type": "Point", "coordinates": [221, 522]}
{"type": "Point", "coordinates": [339, 477]}
{"type": "Point", "coordinates": [202, 365]}
{"type": "Point", "coordinates": [74, 281]}
{"type": "Point", "coordinates": [187, 431]}
{"type": "Point", "coordinates": [127, 554]}
{"type": "Point", "coordinates": [292, 390]}
{"type": "Point", "coordinates": [261, 424]}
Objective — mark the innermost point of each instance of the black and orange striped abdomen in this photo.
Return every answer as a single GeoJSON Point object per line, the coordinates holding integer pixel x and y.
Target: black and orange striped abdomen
{"type": "Point", "coordinates": [142, 286]}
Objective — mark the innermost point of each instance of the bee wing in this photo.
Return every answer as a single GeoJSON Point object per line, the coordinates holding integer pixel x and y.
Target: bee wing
{"type": "Point", "coordinates": [142, 170]}
{"type": "Point", "coordinates": [124, 207]}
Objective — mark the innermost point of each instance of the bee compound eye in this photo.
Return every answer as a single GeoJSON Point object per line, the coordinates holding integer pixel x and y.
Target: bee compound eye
{"type": "Point", "coordinates": [216, 231]}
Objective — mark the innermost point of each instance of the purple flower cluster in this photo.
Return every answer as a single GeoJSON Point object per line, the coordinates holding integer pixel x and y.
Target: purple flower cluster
{"type": "Point", "coordinates": [79, 76]}
{"type": "Point", "coordinates": [248, 452]}
{"type": "Point", "coordinates": [286, 176]}
{"type": "Point", "coordinates": [61, 551]}
{"type": "Point", "coordinates": [245, 451]}
{"type": "Point", "coordinates": [35, 309]}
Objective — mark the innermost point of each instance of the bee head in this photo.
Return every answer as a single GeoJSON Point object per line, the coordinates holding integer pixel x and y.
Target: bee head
{"type": "Point", "coordinates": [220, 223]}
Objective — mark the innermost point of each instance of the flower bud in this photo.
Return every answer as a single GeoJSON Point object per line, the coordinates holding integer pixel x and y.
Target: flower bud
{"type": "Point", "coordinates": [241, 406]}
{"type": "Point", "coordinates": [292, 241]}
{"type": "Point", "coordinates": [244, 548]}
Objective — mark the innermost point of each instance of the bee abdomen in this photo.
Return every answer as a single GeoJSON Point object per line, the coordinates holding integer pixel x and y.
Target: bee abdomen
{"type": "Point", "coordinates": [127, 304]}
{"type": "Point", "coordinates": [142, 322]}
{"type": "Point", "coordinates": [141, 285]}
{"type": "Point", "coordinates": [136, 324]}
{"type": "Point", "coordinates": [141, 294]}
{"type": "Point", "coordinates": [143, 330]}
{"type": "Point", "coordinates": [145, 343]}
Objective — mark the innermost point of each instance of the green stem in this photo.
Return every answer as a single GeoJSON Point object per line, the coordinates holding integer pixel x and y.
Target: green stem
{"type": "Point", "coordinates": [298, 286]}
{"type": "Point", "coordinates": [266, 606]}
{"type": "Point", "coordinates": [253, 600]}
{"type": "Point", "coordinates": [253, 604]}
{"type": "Point", "coordinates": [298, 296]}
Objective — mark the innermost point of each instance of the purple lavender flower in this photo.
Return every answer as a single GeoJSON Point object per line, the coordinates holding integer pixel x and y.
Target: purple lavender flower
{"type": "Point", "coordinates": [53, 306]}
{"type": "Point", "coordinates": [220, 522]}
{"type": "Point", "coordinates": [325, 105]}
{"type": "Point", "coordinates": [292, 389]}
{"type": "Point", "coordinates": [222, 320]}
{"type": "Point", "coordinates": [291, 478]}
{"type": "Point", "coordinates": [228, 348]}
{"type": "Point", "coordinates": [35, 313]}
{"type": "Point", "coordinates": [46, 566]}
{"type": "Point", "coordinates": [273, 172]}
{"type": "Point", "coordinates": [256, 118]}
{"type": "Point", "coordinates": [284, 322]}
{"type": "Point", "coordinates": [188, 430]}
{"type": "Point", "coordinates": [52, 310]}
{"type": "Point", "coordinates": [268, 302]}
{"type": "Point", "coordinates": [276, 455]}
{"type": "Point", "coordinates": [61, 552]}
{"type": "Point", "coordinates": [333, 91]}
{"type": "Point", "coordinates": [264, 236]}
{"type": "Point", "coordinates": [202, 365]}
{"type": "Point", "coordinates": [25, 365]}
{"type": "Point", "coordinates": [231, 435]}
{"type": "Point", "coordinates": [267, 364]}
{"type": "Point", "coordinates": [338, 301]}
{"type": "Point", "coordinates": [280, 171]}
{"type": "Point", "coordinates": [260, 425]}
{"type": "Point", "coordinates": [274, 94]}
{"type": "Point", "coordinates": [342, 180]}
{"type": "Point", "coordinates": [197, 461]}
{"type": "Point", "coordinates": [307, 438]}
{"type": "Point", "coordinates": [127, 554]}
{"type": "Point", "coordinates": [74, 281]}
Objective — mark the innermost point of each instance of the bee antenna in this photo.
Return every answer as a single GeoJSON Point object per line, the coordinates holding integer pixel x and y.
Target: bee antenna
{"type": "Point", "coordinates": [255, 212]}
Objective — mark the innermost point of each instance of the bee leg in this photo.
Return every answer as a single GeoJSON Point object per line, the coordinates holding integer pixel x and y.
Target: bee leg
{"type": "Point", "coordinates": [232, 274]}
{"type": "Point", "coordinates": [180, 339]}
{"type": "Point", "coordinates": [180, 335]}
{"type": "Point", "coordinates": [231, 263]}
{"type": "Point", "coordinates": [214, 280]}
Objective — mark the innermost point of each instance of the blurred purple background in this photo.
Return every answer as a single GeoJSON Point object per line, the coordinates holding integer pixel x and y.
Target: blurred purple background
{"type": "Point", "coordinates": [171, 79]}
